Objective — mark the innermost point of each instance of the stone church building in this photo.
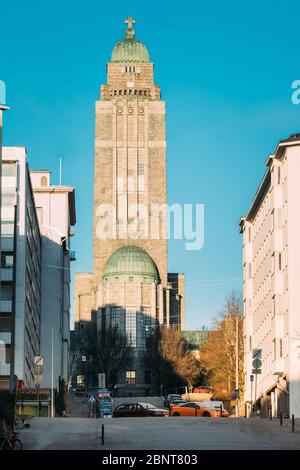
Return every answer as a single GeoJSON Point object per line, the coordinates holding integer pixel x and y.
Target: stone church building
{"type": "Point", "coordinates": [130, 285]}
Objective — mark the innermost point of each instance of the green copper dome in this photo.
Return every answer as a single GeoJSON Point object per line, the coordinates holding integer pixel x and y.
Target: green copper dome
{"type": "Point", "coordinates": [130, 49]}
{"type": "Point", "coordinates": [130, 264]}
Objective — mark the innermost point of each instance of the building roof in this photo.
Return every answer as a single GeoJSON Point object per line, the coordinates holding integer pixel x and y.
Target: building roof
{"type": "Point", "coordinates": [130, 264]}
{"type": "Point", "coordinates": [292, 140]}
{"type": "Point", "coordinates": [130, 49]}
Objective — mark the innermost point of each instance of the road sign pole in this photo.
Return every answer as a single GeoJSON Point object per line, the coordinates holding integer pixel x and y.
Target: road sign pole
{"type": "Point", "coordinates": [255, 404]}
{"type": "Point", "coordinates": [251, 397]}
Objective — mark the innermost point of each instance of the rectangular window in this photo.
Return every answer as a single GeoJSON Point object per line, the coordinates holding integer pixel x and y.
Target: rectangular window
{"type": "Point", "coordinates": [140, 168]}
{"type": "Point", "coordinates": [278, 175]}
{"type": "Point", "coordinates": [131, 377]}
{"type": "Point", "coordinates": [7, 228]}
{"type": "Point", "coordinates": [115, 317]}
{"type": "Point", "coordinates": [131, 326]}
{"type": "Point", "coordinates": [6, 292]}
{"type": "Point", "coordinates": [8, 169]}
{"type": "Point", "coordinates": [272, 220]}
{"type": "Point", "coordinates": [274, 349]}
{"type": "Point", "coordinates": [7, 260]}
{"type": "Point", "coordinates": [280, 348]}
{"type": "Point", "coordinates": [146, 324]}
{"type": "Point", "coordinates": [273, 262]}
{"type": "Point", "coordinates": [8, 197]}
{"type": "Point", "coordinates": [274, 305]}
{"type": "Point", "coordinates": [80, 380]}
{"type": "Point", "coordinates": [279, 261]}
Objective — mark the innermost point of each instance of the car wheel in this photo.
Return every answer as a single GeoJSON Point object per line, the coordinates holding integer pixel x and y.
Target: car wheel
{"type": "Point", "coordinates": [206, 414]}
{"type": "Point", "coordinates": [176, 414]}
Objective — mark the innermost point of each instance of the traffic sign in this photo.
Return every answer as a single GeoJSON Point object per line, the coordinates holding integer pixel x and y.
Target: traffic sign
{"type": "Point", "coordinates": [256, 353]}
{"type": "Point", "coordinates": [38, 361]}
{"type": "Point", "coordinates": [256, 371]}
{"type": "Point", "coordinates": [256, 363]}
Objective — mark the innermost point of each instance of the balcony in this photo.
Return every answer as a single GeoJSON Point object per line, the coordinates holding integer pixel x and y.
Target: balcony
{"type": "Point", "coordinates": [5, 306]}
{"type": "Point", "coordinates": [4, 369]}
{"type": "Point", "coordinates": [6, 274]}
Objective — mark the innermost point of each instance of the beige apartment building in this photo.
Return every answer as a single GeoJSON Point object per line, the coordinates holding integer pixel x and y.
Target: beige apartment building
{"type": "Point", "coordinates": [130, 284]}
{"type": "Point", "coordinates": [271, 260]}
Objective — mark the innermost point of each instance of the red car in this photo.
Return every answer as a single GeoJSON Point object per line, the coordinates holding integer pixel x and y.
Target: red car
{"type": "Point", "coordinates": [136, 410]}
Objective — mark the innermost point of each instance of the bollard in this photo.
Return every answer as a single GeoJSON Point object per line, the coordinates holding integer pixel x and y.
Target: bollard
{"type": "Point", "coordinates": [102, 434]}
{"type": "Point", "coordinates": [293, 423]}
{"type": "Point", "coordinates": [270, 415]}
{"type": "Point", "coordinates": [281, 418]}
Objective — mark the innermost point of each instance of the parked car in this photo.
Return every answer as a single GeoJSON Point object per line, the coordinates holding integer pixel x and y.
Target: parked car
{"type": "Point", "coordinates": [169, 397]}
{"type": "Point", "coordinates": [135, 410]}
{"type": "Point", "coordinates": [154, 411]}
{"type": "Point", "coordinates": [176, 401]}
{"type": "Point", "coordinates": [197, 409]}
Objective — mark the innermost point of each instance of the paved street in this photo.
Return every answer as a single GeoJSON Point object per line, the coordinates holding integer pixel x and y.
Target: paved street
{"type": "Point", "coordinates": [158, 433]}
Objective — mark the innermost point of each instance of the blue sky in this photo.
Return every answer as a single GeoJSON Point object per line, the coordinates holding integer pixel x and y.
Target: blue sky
{"type": "Point", "coordinates": [225, 70]}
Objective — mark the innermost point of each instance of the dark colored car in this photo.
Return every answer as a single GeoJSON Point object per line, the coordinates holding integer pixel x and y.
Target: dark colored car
{"type": "Point", "coordinates": [169, 397]}
{"type": "Point", "coordinates": [176, 401]}
{"type": "Point", "coordinates": [136, 410]}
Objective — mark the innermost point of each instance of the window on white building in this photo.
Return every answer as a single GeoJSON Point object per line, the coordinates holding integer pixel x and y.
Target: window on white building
{"type": "Point", "coordinates": [8, 169]}
{"type": "Point", "coordinates": [279, 261]}
{"type": "Point", "coordinates": [274, 349]}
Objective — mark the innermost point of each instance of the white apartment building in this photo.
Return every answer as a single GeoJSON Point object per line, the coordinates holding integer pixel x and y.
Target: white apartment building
{"type": "Point", "coordinates": [55, 207]}
{"type": "Point", "coordinates": [20, 304]}
{"type": "Point", "coordinates": [271, 261]}
{"type": "Point", "coordinates": [36, 225]}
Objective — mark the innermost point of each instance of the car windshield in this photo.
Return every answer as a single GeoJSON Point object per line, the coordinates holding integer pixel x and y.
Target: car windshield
{"type": "Point", "coordinates": [148, 405]}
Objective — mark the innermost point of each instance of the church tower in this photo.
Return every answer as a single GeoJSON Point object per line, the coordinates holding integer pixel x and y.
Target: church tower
{"type": "Point", "coordinates": [130, 284]}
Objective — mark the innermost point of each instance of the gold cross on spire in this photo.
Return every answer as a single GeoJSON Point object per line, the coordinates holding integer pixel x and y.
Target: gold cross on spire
{"type": "Point", "coordinates": [130, 31]}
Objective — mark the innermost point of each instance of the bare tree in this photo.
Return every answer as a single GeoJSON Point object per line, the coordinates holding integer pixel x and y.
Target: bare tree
{"type": "Point", "coordinates": [108, 348]}
{"type": "Point", "coordinates": [218, 356]}
{"type": "Point", "coordinates": [169, 359]}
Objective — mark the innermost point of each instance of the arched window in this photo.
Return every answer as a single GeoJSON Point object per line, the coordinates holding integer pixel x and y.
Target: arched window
{"type": "Point", "coordinates": [43, 181]}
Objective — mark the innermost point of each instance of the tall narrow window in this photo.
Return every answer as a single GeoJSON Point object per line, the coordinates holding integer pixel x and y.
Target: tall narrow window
{"type": "Point", "coordinates": [131, 326]}
{"type": "Point", "coordinates": [274, 305]}
{"type": "Point", "coordinates": [278, 175]}
{"type": "Point", "coordinates": [274, 349]}
{"type": "Point", "coordinates": [280, 348]}
{"type": "Point", "coordinates": [279, 261]}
